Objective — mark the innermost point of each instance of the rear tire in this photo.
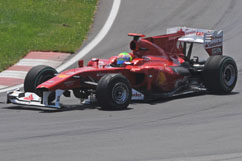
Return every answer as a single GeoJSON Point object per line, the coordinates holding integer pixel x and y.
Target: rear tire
{"type": "Point", "coordinates": [220, 74]}
{"type": "Point", "coordinates": [113, 92]}
{"type": "Point", "coordinates": [36, 76]}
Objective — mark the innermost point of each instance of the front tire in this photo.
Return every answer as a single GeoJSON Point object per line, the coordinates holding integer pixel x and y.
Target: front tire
{"type": "Point", "coordinates": [113, 92]}
{"type": "Point", "coordinates": [36, 76]}
{"type": "Point", "coordinates": [220, 74]}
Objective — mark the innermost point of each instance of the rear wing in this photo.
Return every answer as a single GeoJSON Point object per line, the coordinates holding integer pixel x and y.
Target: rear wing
{"type": "Point", "coordinates": [212, 40]}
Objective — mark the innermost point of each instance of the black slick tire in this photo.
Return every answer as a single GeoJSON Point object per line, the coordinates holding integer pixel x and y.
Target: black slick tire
{"type": "Point", "coordinates": [113, 92]}
{"type": "Point", "coordinates": [36, 76]}
{"type": "Point", "coordinates": [220, 74]}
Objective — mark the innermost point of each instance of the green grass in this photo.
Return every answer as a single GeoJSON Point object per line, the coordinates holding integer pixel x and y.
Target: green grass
{"type": "Point", "coordinates": [46, 25]}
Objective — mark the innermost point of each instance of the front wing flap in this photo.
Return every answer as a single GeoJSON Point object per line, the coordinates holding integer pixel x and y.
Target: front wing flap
{"type": "Point", "coordinates": [32, 99]}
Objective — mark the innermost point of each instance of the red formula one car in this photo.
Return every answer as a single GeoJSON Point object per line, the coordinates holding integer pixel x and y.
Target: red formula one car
{"type": "Point", "coordinates": [160, 66]}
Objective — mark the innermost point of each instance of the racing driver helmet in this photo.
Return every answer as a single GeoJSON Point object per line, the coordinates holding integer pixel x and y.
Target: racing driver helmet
{"type": "Point", "coordinates": [124, 57]}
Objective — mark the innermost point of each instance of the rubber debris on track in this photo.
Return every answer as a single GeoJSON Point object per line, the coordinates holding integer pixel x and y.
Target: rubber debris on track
{"type": "Point", "coordinates": [15, 74]}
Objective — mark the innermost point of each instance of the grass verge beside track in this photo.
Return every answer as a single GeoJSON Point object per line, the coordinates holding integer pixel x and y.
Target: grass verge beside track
{"type": "Point", "coordinates": [46, 25]}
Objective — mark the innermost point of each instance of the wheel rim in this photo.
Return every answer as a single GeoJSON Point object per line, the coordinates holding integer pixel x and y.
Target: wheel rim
{"type": "Point", "coordinates": [229, 75]}
{"type": "Point", "coordinates": [120, 93]}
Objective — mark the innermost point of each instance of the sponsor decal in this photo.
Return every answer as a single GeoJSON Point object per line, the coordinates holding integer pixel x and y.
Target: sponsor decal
{"type": "Point", "coordinates": [62, 75]}
{"type": "Point", "coordinates": [70, 73]}
{"type": "Point", "coordinates": [29, 98]}
{"type": "Point", "coordinates": [69, 83]}
{"type": "Point", "coordinates": [200, 33]}
{"type": "Point", "coordinates": [213, 40]}
{"type": "Point", "coordinates": [137, 95]}
{"type": "Point", "coordinates": [48, 82]}
{"type": "Point", "coordinates": [100, 74]}
{"type": "Point", "coordinates": [213, 43]}
{"type": "Point", "coordinates": [161, 79]}
{"type": "Point", "coordinates": [216, 51]}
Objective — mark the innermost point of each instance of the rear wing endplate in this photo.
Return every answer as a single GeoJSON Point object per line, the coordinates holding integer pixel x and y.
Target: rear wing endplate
{"type": "Point", "coordinates": [212, 40]}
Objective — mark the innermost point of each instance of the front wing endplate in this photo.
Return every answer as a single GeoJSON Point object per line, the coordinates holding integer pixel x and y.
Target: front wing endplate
{"type": "Point", "coordinates": [32, 99]}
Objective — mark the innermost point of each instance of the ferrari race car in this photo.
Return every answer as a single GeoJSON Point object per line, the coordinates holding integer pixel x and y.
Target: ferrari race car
{"type": "Point", "coordinates": [161, 66]}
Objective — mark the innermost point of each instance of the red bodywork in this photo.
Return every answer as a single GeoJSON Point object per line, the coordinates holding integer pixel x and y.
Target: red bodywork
{"type": "Point", "coordinates": [150, 70]}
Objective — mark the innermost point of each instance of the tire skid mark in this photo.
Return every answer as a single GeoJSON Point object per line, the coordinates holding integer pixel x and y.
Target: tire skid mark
{"type": "Point", "coordinates": [180, 9]}
{"type": "Point", "coordinates": [79, 132]}
{"type": "Point", "coordinates": [200, 11]}
{"type": "Point", "coordinates": [226, 13]}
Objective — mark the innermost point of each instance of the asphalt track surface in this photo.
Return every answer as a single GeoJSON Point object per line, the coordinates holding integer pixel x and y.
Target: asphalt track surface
{"type": "Point", "coordinates": [202, 127]}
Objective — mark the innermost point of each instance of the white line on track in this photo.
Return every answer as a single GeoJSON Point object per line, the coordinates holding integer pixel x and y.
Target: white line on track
{"type": "Point", "coordinates": [103, 32]}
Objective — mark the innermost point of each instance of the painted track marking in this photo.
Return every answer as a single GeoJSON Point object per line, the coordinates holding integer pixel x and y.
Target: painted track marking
{"type": "Point", "coordinates": [103, 32]}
